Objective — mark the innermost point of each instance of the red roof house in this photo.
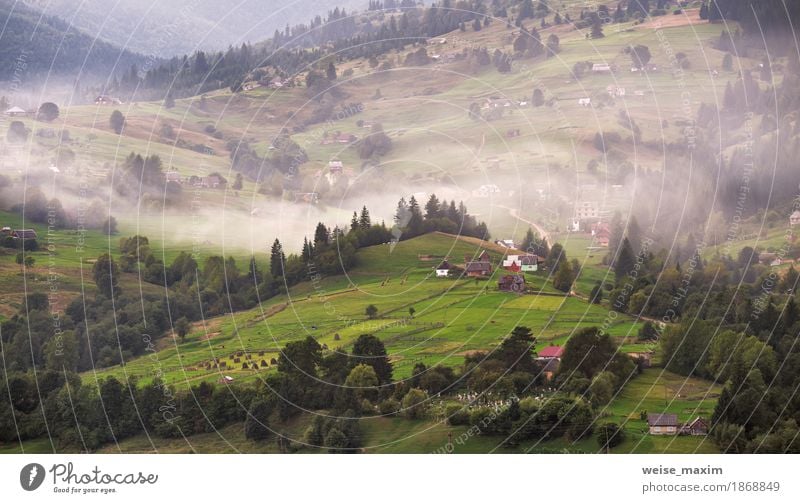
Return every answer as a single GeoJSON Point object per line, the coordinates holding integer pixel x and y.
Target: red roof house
{"type": "Point", "coordinates": [551, 352]}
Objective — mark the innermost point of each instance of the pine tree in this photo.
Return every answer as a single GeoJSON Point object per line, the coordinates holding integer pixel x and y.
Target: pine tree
{"type": "Point", "coordinates": [529, 241]}
{"type": "Point", "coordinates": [432, 208]}
{"type": "Point", "coordinates": [364, 221]}
{"type": "Point", "coordinates": [626, 260]}
{"type": "Point", "coordinates": [308, 251]}
{"type": "Point", "coordinates": [321, 235]}
{"type": "Point", "coordinates": [276, 259]}
{"type": "Point", "coordinates": [354, 222]}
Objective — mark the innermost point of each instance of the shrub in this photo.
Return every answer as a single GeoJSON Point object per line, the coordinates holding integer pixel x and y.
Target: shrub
{"type": "Point", "coordinates": [456, 415]}
{"type": "Point", "coordinates": [415, 403]}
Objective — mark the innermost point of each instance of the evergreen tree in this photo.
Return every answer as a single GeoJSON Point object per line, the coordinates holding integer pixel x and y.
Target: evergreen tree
{"type": "Point", "coordinates": [364, 221]}
{"type": "Point", "coordinates": [276, 259]}
{"type": "Point", "coordinates": [626, 260]}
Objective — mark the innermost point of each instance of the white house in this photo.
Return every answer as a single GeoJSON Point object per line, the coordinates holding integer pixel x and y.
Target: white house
{"type": "Point", "coordinates": [585, 102]}
{"type": "Point", "coordinates": [443, 270]}
{"type": "Point", "coordinates": [794, 219]}
{"type": "Point", "coordinates": [524, 263]}
{"type": "Point", "coordinates": [15, 112]}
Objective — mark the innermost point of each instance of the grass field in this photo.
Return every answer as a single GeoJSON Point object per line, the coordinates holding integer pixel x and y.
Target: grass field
{"type": "Point", "coordinates": [452, 317]}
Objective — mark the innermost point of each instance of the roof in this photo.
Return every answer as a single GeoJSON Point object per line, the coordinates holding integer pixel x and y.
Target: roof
{"type": "Point", "coordinates": [662, 419]}
{"type": "Point", "coordinates": [443, 266]}
{"type": "Point", "coordinates": [551, 352]}
{"type": "Point", "coordinates": [478, 267]}
{"type": "Point", "coordinates": [25, 233]}
{"type": "Point", "coordinates": [796, 214]}
{"type": "Point", "coordinates": [698, 421]}
{"type": "Point", "coordinates": [15, 110]}
{"type": "Point", "coordinates": [529, 260]}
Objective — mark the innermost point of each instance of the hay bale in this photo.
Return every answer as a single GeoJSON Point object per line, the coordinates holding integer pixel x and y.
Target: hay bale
{"type": "Point", "coordinates": [244, 365]}
{"type": "Point", "coordinates": [273, 361]}
{"type": "Point", "coordinates": [263, 363]}
{"type": "Point", "coordinates": [237, 360]}
{"type": "Point", "coordinates": [336, 337]}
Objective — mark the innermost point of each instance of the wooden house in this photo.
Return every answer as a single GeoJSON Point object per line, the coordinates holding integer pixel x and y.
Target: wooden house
{"type": "Point", "coordinates": [698, 426]}
{"type": "Point", "coordinates": [662, 424]}
{"type": "Point", "coordinates": [512, 283]}
{"type": "Point", "coordinates": [478, 269]}
{"type": "Point", "coordinates": [23, 234]}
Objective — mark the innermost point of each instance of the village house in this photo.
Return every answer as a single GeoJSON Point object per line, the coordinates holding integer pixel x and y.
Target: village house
{"type": "Point", "coordinates": [23, 234]}
{"type": "Point", "coordinates": [698, 426]}
{"type": "Point", "coordinates": [443, 269]}
{"type": "Point", "coordinates": [770, 259]}
{"type": "Point", "coordinates": [585, 102]}
{"type": "Point", "coordinates": [662, 424]}
{"type": "Point", "coordinates": [643, 358]}
{"type": "Point", "coordinates": [306, 197]}
{"type": "Point", "coordinates": [338, 137]}
{"type": "Point", "coordinates": [208, 182]}
{"type": "Point", "coordinates": [615, 91]}
{"type": "Point", "coordinates": [601, 234]}
{"type": "Point", "coordinates": [550, 353]}
{"type": "Point", "coordinates": [508, 243]}
{"type": "Point", "coordinates": [173, 176]}
{"type": "Point", "coordinates": [478, 269]}
{"type": "Point", "coordinates": [586, 210]}
{"type": "Point", "coordinates": [15, 112]}
{"type": "Point", "coordinates": [512, 283]}
{"type": "Point", "coordinates": [487, 190]}
{"type": "Point", "coordinates": [794, 218]}
{"type": "Point", "coordinates": [335, 167]}
{"type": "Point", "coordinates": [601, 68]}
{"type": "Point", "coordinates": [524, 263]}
{"type": "Point", "coordinates": [550, 358]}
{"type": "Point", "coordinates": [105, 99]}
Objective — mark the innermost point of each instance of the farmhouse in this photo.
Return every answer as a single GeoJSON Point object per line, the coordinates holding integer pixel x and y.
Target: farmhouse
{"type": "Point", "coordinates": [512, 283]}
{"type": "Point", "coordinates": [524, 263]}
{"type": "Point", "coordinates": [794, 219]}
{"type": "Point", "coordinates": [173, 176]}
{"type": "Point", "coordinates": [615, 91]}
{"type": "Point", "coordinates": [487, 190]}
{"type": "Point", "coordinates": [338, 138]}
{"type": "Point", "coordinates": [586, 209]}
{"type": "Point", "coordinates": [443, 269]}
{"type": "Point", "coordinates": [306, 197]}
{"type": "Point", "coordinates": [643, 358]}
{"type": "Point", "coordinates": [209, 182]}
{"type": "Point", "coordinates": [770, 259]}
{"type": "Point", "coordinates": [550, 358]}
{"type": "Point", "coordinates": [478, 269]}
{"type": "Point", "coordinates": [550, 368]}
{"type": "Point", "coordinates": [550, 353]}
{"type": "Point", "coordinates": [23, 234]}
{"type": "Point", "coordinates": [698, 426]}
{"type": "Point", "coordinates": [662, 424]}
{"type": "Point", "coordinates": [105, 99]}
{"type": "Point", "coordinates": [335, 167]}
{"type": "Point", "coordinates": [15, 112]}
